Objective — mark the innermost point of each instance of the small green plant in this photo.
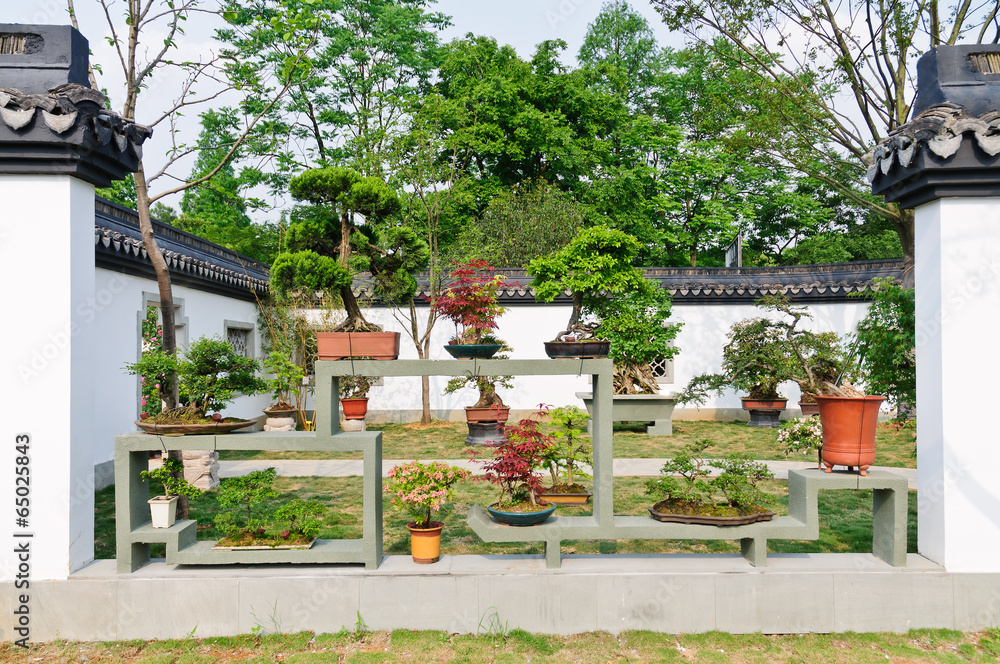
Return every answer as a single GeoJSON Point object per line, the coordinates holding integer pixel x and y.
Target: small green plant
{"type": "Point", "coordinates": [286, 381]}
{"type": "Point", "coordinates": [487, 385]}
{"type": "Point", "coordinates": [685, 485]}
{"type": "Point", "coordinates": [356, 387]}
{"type": "Point", "coordinates": [490, 625]}
{"type": "Point", "coordinates": [152, 341]}
{"type": "Point", "coordinates": [243, 496]}
{"type": "Point", "coordinates": [171, 476]}
{"type": "Point", "coordinates": [300, 518]}
{"type": "Point", "coordinates": [422, 489]}
{"type": "Point", "coordinates": [569, 451]}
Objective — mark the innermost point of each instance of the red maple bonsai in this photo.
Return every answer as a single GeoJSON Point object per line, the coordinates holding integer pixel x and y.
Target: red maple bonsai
{"type": "Point", "coordinates": [514, 465]}
{"type": "Point", "coordinates": [470, 302]}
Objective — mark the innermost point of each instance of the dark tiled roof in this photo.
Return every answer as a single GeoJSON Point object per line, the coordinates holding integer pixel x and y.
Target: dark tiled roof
{"type": "Point", "coordinates": [193, 261]}
{"type": "Point", "coordinates": [715, 285]}
{"type": "Point", "coordinates": [939, 130]}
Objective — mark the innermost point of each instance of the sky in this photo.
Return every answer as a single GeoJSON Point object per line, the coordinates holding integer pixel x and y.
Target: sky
{"type": "Point", "coordinates": [520, 23]}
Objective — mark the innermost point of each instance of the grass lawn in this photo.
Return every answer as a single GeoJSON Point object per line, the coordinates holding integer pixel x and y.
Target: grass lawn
{"type": "Point", "coordinates": [445, 440]}
{"type": "Point", "coordinates": [357, 646]}
{"type": "Point", "coordinates": [845, 520]}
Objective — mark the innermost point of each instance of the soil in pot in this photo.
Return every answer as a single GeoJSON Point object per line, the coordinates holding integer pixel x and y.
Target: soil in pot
{"type": "Point", "coordinates": [719, 515]}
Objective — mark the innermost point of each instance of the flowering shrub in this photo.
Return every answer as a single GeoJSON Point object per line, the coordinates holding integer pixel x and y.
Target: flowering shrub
{"type": "Point", "coordinates": [152, 341]}
{"type": "Point", "coordinates": [801, 435]}
{"type": "Point", "coordinates": [470, 302]}
{"type": "Point", "coordinates": [422, 489]}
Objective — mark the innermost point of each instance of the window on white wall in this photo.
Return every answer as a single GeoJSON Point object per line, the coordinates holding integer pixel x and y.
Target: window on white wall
{"type": "Point", "coordinates": [180, 319]}
{"type": "Point", "coordinates": [240, 337]}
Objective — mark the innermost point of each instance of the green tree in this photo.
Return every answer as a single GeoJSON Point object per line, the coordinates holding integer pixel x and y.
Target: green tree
{"type": "Point", "coordinates": [846, 89]}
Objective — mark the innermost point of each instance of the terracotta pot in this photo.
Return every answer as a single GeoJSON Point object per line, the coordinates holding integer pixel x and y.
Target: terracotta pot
{"type": "Point", "coordinates": [567, 498]}
{"type": "Point", "coordinates": [376, 345]}
{"type": "Point", "coordinates": [354, 409]}
{"type": "Point", "coordinates": [488, 414]}
{"type": "Point", "coordinates": [809, 408]}
{"type": "Point", "coordinates": [849, 430]}
{"type": "Point", "coordinates": [425, 543]}
{"type": "Point", "coordinates": [275, 412]}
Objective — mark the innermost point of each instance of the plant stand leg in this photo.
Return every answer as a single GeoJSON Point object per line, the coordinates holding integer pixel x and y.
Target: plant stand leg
{"type": "Point", "coordinates": [754, 549]}
{"type": "Point", "coordinates": [660, 428]}
{"type": "Point", "coordinates": [889, 511]}
{"type": "Point", "coordinates": [553, 554]}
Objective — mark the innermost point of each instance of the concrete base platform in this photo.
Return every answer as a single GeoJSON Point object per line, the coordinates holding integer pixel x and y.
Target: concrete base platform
{"type": "Point", "coordinates": [665, 593]}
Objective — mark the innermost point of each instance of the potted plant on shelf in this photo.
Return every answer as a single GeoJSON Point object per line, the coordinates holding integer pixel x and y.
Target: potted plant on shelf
{"type": "Point", "coordinates": [210, 374]}
{"type": "Point", "coordinates": [687, 493]}
{"type": "Point", "coordinates": [513, 469]}
{"type": "Point", "coordinates": [755, 361]}
{"type": "Point", "coordinates": [301, 521]}
{"type": "Point", "coordinates": [823, 367]}
{"type": "Point", "coordinates": [286, 379]}
{"type": "Point", "coordinates": [569, 451]}
{"type": "Point", "coordinates": [471, 303]}
{"type": "Point", "coordinates": [489, 411]}
{"type": "Point", "coordinates": [422, 490]}
{"type": "Point", "coordinates": [354, 396]}
{"type": "Point", "coordinates": [163, 508]}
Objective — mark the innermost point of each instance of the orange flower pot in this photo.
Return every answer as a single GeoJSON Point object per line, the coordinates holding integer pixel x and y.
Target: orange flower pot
{"type": "Point", "coordinates": [354, 409]}
{"type": "Point", "coordinates": [488, 414]}
{"type": "Point", "coordinates": [425, 543]}
{"type": "Point", "coordinates": [849, 431]}
{"type": "Point", "coordinates": [340, 345]}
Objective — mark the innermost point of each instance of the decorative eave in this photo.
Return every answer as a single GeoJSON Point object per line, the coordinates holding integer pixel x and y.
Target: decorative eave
{"type": "Point", "coordinates": [192, 261]}
{"type": "Point", "coordinates": [67, 131]}
{"type": "Point", "coordinates": [802, 284]}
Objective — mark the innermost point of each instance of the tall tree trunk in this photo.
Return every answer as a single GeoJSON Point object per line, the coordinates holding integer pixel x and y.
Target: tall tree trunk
{"type": "Point", "coordinates": [904, 230]}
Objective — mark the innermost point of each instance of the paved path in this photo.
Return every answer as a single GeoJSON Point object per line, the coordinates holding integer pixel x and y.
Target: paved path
{"type": "Point", "coordinates": [353, 467]}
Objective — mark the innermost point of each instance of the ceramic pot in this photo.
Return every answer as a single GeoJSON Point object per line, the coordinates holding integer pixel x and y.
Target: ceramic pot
{"type": "Point", "coordinates": [163, 511]}
{"type": "Point", "coordinates": [849, 431]}
{"type": "Point", "coordinates": [809, 408]}
{"type": "Point", "coordinates": [521, 518]}
{"type": "Point", "coordinates": [472, 351]}
{"type": "Point", "coordinates": [567, 498]}
{"type": "Point", "coordinates": [764, 412]}
{"type": "Point", "coordinates": [577, 349]}
{"type": "Point", "coordinates": [340, 345]}
{"type": "Point", "coordinates": [425, 543]}
{"type": "Point", "coordinates": [354, 409]}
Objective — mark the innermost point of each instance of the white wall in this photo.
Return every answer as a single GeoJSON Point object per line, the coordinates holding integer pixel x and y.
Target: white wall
{"type": "Point", "coordinates": [119, 307]}
{"type": "Point", "coordinates": [526, 329]}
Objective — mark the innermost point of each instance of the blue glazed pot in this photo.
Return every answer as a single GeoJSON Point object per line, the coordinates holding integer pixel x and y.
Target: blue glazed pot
{"type": "Point", "coordinates": [521, 518]}
{"type": "Point", "coordinates": [472, 351]}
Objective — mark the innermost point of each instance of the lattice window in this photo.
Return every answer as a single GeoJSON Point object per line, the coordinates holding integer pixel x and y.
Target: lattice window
{"type": "Point", "coordinates": [239, 339]}
{"type": "Point", "coordinates": [663, 370]}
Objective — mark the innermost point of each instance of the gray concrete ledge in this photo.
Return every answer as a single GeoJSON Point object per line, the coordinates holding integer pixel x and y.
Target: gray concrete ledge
{"type": "Point", "coordinates": [666, 593]}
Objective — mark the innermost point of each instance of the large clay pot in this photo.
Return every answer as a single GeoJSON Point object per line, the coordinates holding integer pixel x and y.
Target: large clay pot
{"type": "Point", "coordinates": [354, 409]}
{"type": "Point", "coordinates": [849, 430]}
{"type": "Point", "coordinates": [425, 543]}
{"type": "Point", "coordinates": [340, 345]}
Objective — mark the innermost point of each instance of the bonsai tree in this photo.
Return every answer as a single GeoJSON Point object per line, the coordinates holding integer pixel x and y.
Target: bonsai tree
{"type": "Point", "coordinates": [513, 466]}
{"type": "Point", "coordinates": [755, 361]}
{"type": "Point", "coordinates": [470, 301]}
{"type": "Point", "coordinates": [210, 375]}
{"type": "Point", "coordinates": [356, 387]}
{"type": "Point", "coordinates": [569, 450]}
{"type": "Point", "coordinates": [685, 485]}
{"type": "Point", "coordinates": [245, 499]}
{"type": "Point", "coordinates": [287, 379]}
{"type": "Point", "coordinates": [171, 475]}
{"type": "Point", "coordinates": [300, 518]}
{"type": "Point", "coordinates": [819, 361]}
{"type": "Point", "coordinates": [487, 385]}
{"type": "Point", "coordinates": [343, 230]}
{"type": "Point", "coordinates": [886, 341]}
{"type": "Point", "coordinates": [611, 300]}
{"type": "Point", "coordinates": [422, 489]}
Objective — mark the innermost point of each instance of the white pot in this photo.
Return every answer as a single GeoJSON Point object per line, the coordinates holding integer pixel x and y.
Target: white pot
{"type": "Point", "coordinates": [163, 511]}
